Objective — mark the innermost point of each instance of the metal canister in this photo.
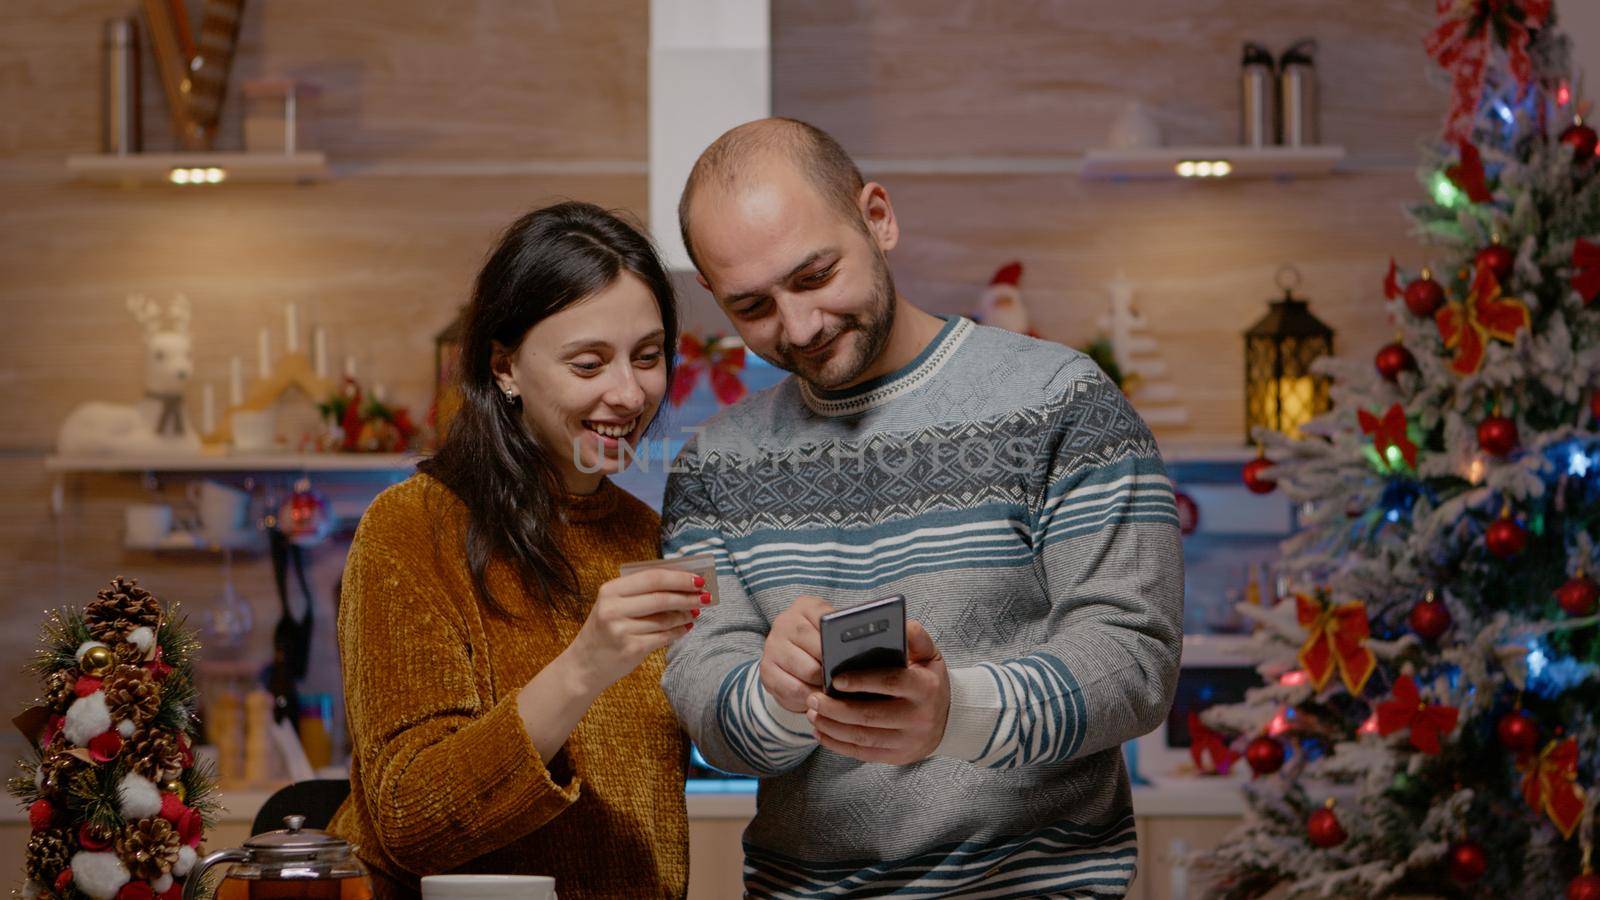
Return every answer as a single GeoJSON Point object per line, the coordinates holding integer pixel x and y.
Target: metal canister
{"type": "Point", "coordinates": [1297, 94]}
{"type": "Point", "coordinates": [1256, 106]}
{"type": "Point", "coordinates": [119, 87]}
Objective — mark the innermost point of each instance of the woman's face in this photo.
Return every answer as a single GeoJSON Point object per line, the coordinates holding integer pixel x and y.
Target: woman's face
{"type": "Point", "coordinates": [591, 378]}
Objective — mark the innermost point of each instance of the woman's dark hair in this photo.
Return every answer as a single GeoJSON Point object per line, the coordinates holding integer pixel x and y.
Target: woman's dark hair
{"type": "Point", "coordinates": [547, 261]}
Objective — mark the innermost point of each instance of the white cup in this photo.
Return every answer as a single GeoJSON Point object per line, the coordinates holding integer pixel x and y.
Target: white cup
{"type": "Point", "coordinates": [254, 429]}
{"type": "Point", "coordinates": [223, 510]}
{"type": "Point", "coordinates": [488, 887]}
{"type": "Point", "coordinates": [147, 523]}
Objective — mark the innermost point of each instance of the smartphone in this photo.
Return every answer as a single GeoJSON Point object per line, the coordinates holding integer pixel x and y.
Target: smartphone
{"type": "Point", "coordinates": [869, 636]}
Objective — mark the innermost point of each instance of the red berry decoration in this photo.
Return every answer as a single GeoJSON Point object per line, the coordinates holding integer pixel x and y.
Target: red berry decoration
{"type": "Point", "coordinates": [1497, 435]}
{"type": "Point", "coordinates": [1429, 619]}
{"type": "Point", "coordinates": [1518, 732]}
{"type": "Point", "coordinates": [1394, 359]}
{"type": "Point", "coordinates": [1265, 755]}
{"type": "Point", "coordinates": [1323, 829]}
{"type": "Point", "coordinates": [40, 815]}
{"type": "Point", "coordinates": [1505, 538]}
{"type": "Point", "coordinates": [1424, 296]}
{"type": "Point", "coordinates": [1253, 478]}
{"type": "Point", "coordinates": [1584, 887]}
{"type": "Point", "coordinates": [1579, 596]}
{"type": "Point", "coordinates": [1498, 259]}
{"type": "Point", "coordinates": [1467, 862]}
{"type": "Point", "coordinates": [1582, 139]}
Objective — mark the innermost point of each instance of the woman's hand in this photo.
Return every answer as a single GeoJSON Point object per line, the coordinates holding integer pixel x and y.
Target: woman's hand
{"type": "Point", "coordinates": [633, 616]}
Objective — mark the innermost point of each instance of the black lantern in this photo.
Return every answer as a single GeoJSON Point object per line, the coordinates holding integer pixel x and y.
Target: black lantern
{"type": "Point", "coordinates": [446, 362]}
{"type": "Point", "coordinates": [1280, 390]}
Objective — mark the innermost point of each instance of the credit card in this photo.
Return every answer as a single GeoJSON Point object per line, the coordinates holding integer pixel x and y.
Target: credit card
{"type": "Point", "coordinates": [702, 564]}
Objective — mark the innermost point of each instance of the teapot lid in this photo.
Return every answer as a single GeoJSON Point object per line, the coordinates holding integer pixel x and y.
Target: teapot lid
{"type": "Point", "coordinates": [295, 842]}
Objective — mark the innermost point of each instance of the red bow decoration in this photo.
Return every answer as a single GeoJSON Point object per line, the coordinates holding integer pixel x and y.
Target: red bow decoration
{"type": "Point", "coordinates": [722, 357]}
{"type": "Point", "coordinates": [1550, 784]}
{"type": "Point", "coordinates": [1389, 431]}
{"type": "Point", "coordinates": [1335, 638]}
{"type": "Point", "coordinates": [1391, 282]}
{"type": "Point", "coordinates": [1203, 743]}
{"type": "Point", "coordinates": [1461, 44]}
{"type": "Point", "coordinates": [1586, 262]}
{"type": "Point", "coordinates": [1486, 313]}
{"type": "Point", "coordinates": [1469, 176]}
{"type": "Point", "coordinates": [1427, 721]}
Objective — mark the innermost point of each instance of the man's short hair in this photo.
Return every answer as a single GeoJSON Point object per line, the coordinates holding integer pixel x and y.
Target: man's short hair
{"type": "Point", "coordinates": [730, 159]}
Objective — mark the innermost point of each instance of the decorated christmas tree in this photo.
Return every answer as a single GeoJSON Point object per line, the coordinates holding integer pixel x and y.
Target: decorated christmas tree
{"type": "Point", "coordinates": [116, 804]}
{"type": "Point", "coordinates": [1429, 722]}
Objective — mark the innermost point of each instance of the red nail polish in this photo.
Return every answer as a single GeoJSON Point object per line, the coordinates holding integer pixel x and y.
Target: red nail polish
{"type": "Point", "coordinates": [699, 581]}
{"type": "Point", "coordinates": [694, 613]}
{"type": "Point", "coordinates": [689, 627]}
{"type": "Point", "coordinates": [705, 597]}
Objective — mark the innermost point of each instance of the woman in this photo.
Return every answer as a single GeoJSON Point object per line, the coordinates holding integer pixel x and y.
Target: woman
{"type": "Point", "coordinates": [503, 685]}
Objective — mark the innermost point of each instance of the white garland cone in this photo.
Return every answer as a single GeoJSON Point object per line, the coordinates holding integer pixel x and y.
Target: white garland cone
{"type": "Point", "coordinates": [161, 885]}
{"type": "Point", "coordinates": [143, 637]}
{"type": "Point", "coordinates": [100, 874]}
{"type": "Point", "coordinates": [186, 860]}
{"type": "Point", "coordinates": [138, 796]}
{"type": "Point", "coordinates": [85, 647]}
{"type": "Point", "coordinates": [87, 718]}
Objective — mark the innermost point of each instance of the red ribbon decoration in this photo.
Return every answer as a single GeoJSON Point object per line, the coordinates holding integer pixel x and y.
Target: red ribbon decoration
{"type": "Point", "coordinates": [1486, 313]}
{"type": "Point", "coordinates": [1469, 176]}
{"type": "Point", "coordinates": [1203, 743]}
{"type": "Point", "coordinates": [1461, 44]}
{"type": "Point", "coordinates": [1550, 784]}
{"type": "Point", "coordinates": [1391, 282]}
{"type": "Point", "coordinates": [1389, 431]}
{"type": "Point", "coordinates": [1586, 262]}
{"type": "Point", "coordinates": [1427, 721]}
{"type": "Point", "coordinates": [1335, 638]}
{"type": "Point", "coordinates": [723, 358]}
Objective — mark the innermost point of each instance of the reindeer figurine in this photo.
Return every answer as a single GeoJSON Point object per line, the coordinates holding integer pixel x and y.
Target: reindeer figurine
{"type": "Point", "coordinates": [156, 423]}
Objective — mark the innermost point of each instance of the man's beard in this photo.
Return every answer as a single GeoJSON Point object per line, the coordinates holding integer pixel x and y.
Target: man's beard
{"type": "Point", "coordinates": [845, 366]}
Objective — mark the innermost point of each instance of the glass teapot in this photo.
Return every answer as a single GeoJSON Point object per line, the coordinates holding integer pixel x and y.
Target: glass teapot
{"type": "Point", "coordinates": [297, 863]}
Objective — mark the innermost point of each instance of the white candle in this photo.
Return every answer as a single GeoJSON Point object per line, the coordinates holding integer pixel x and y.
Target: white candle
{"type": "Point", "coordinates": [319, 350]}
{"type": "Point", "coordinates": [349, 367]}
{"type": "Point", "coordinates": [208, 408]}
{"type": "Point", "coordinates": [291, 343]}
{"type": "Point", "coordinates": [235, 382]}
{"type": "Point", "coordinates": [263, 351]}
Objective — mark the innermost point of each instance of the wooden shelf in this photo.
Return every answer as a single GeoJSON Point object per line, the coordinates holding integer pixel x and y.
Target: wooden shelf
{"type": "Point", "coordinates": [243, 462]}
{"type": "Point", "coordinates": [136, 169]}
{"type": "Point", "coordinates": [1242, 162]}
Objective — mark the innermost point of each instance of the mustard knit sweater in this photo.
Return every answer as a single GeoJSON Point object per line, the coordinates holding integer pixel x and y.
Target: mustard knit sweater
{"type": "Point", "coordinates": [443, 776]}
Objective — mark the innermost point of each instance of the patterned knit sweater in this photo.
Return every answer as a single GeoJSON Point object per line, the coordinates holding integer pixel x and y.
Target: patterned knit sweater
{"type": "Point", "coordinates": [1008, 490]}
{"type": "Point", "coordinates": [443, 775]}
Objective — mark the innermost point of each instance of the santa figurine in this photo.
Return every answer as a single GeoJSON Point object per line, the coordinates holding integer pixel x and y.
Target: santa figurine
{"type": "Point", "coordinates": [1001, 303]}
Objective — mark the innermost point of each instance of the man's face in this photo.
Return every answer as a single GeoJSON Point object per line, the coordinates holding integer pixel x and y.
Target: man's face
{"type": "Point", "coordinates": [807, 289]}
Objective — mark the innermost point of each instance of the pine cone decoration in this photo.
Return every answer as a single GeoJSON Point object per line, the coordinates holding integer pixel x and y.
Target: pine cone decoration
{"type": "Point", "coordinates": [121, 608]}
{"type": "Point", "coordinates": [133, 694]}
{"type": "Point", "coordinates": [155, 755]}
{"type": "Point", "coordinates": [127, 654]}
{"type": "Point", "coordinates": [148, 847]}
{"type": "Point", "coordinates": [58, 689]}
{"type": "Point", "coordinates": [48, 853]}
{"type": "Point", "coordinates": [56, 769]}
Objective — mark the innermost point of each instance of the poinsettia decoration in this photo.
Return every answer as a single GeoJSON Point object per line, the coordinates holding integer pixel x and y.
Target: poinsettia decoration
{"type": "Point", "coordinates": [1550, 784]}
{"type": "Point", "coordinates": [1389, 431]}
{"type": "Point", "coordinates": [1405, 709]}
{"type": "Point", "coordinates": [721, 359]}
{"type": "Point", "coordinates": [1467, 326]}
{"type": "Point", "coordinates": [1336, 639]}
{"type": "Point", "coordinates": [1586, 270]}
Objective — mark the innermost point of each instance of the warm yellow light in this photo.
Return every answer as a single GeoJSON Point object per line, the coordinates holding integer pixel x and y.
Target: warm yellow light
{"type": "Point", "coordinates": [1296, 403]}
{"type": "Point", "coordinates": [1186, 168]}
{"type": "Point", "coordinates": [1222, 168]}
{"type": "Point", "coordinates": [1203, 169]}
{"type": "Point", "coordinates": [1475, 471]}
{"type": "Point", "coordinates": [179, 176]}
{"type": "Point", "coordinates": [215, 176]}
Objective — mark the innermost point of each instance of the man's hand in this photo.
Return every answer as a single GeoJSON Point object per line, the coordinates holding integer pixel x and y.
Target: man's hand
{"type": "Point", "coordinates": [899, 731]}
{"type": "Point", "coordinates": [791, 660]}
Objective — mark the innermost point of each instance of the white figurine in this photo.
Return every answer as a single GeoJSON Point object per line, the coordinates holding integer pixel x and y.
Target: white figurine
{"type": "Point", "coordinates": [156, 423]}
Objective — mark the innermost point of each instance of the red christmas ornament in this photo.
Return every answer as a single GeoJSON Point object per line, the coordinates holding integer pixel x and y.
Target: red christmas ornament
{"type": "Point", "coordinates": [1518, 732]}
{"type": "Point", "coordinates": [1497, 435]}
{"type": "Point", "coordinates": [1324, 830]}
{"type": "Point", "coordinates": [1253, 478]}
{"type": "Point", "coordinates": [304, 517]}
{"type": "Point", "coordinates": [1394, 359]}
{"type": "Point", "coordinates": [90, 838]}
{"type": "Point", "coordinates": [1584, 887]}
{"type": "Point", "coordinates": [40, 815]}
{"type": "Point", "coordinates": [1498, 259]}
{"type": "Point", "coordinates": [1424, 296]}
{"type": "Point", "coordinates": [1582, 139]}
{"type": "Point", "coordinates": [1505, 538]}
{"type": "Point", "coordinates": [1579, 596]}
{"type": "Point", "coordinates": [137, 890]}
{"type": "Point", "coordinates": [1265, 755]}
{"type": "Point", "coordinates": [1429, 619]}
{"type": "Point", "coordinates": [1467, 862]}
{"type": "Point", "coordinates": [64, 880]}
{"type": "Point", "coordinates": [1188, 513]}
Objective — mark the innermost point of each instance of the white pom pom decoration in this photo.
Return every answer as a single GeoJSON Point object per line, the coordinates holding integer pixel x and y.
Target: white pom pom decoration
{"type": "Point", "coordinates": [125, 728]}
{"type": "Point", "coordinates": [143, 637]}
{"type": "Point", "coordinates": [87, 718]}
{"type": "Point", "coordinates": [85, 647]}
{"type": "Point", "coordinates": [98, 873]}
{"type": "Point", "coordinates": [138, 796]}
{"type": "Point", "coordinates": [186, 860]}
{"type": "Point", "coordinates": [161, 885]}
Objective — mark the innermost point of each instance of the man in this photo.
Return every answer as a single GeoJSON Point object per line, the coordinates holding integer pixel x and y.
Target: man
{"type": "Point", "coordinates": [1001, 484]}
